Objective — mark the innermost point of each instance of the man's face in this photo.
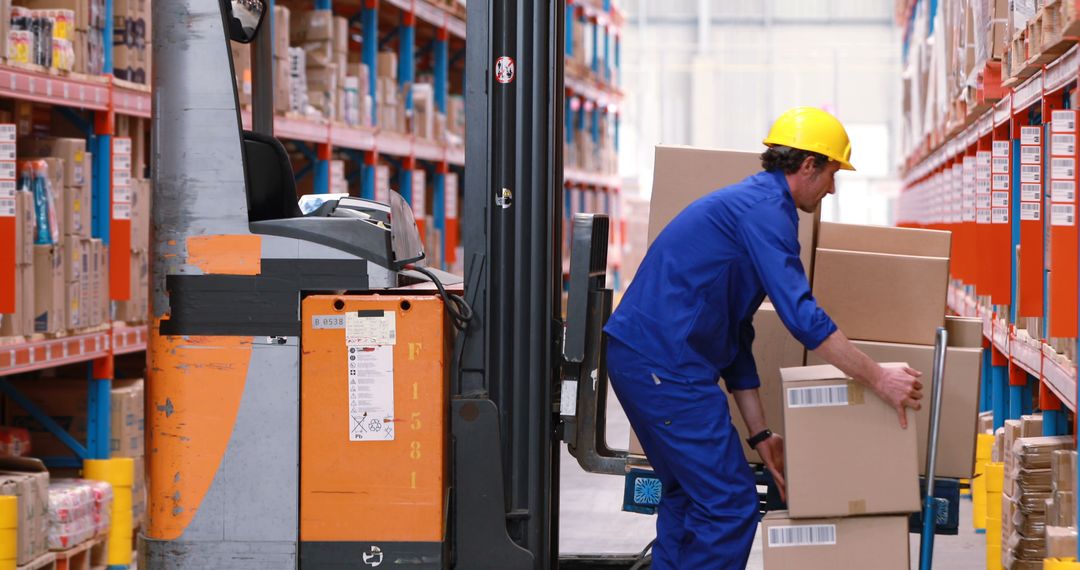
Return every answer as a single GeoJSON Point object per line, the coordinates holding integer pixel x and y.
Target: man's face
{"type": "Point", "coordinates": [811, 185]}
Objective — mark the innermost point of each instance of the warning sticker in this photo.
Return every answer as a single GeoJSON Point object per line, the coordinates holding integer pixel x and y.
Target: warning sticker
{"type": "Point", "coordinates": [1064, 144]}
{"type": "Point", "coordinates": [1062, 215]}
{"type": "Point", "coordinates": [1001, 200]}
{"type": "Point", "coordinates": [1062, 168]}
{"type": "Point", "coordinates": [999, 216]}
{"type": "Point", "coordinates": [1063, 121]}
{"type": "Point", "coordinates": [1063, 191]}
{"type": "Point", "coordinates": [1030, 154]}
{"type": "Point", "coordinates": [1000, 149]}
{"type": "Point", "coordinates": [1000, 182]}
{"type": "Point", "coordinates": [1000, 165]}
{"type": "Point", "coordinates": [371, 393]}
{"type": "Point", "coordinates": [1030, 172]}
{"type": "Point", "coordinates": [1030, 192]}
{"type": "Point", "coordinates": [1030, 211]}
{"type": "Point", "coordinates": [1031, 135]}
{"type": "Point", "coordinates": [371, 328]}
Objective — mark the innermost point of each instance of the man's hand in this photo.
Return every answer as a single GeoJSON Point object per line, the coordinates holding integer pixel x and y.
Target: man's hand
{"type": "Point", "coordinates": [900, 388]}
{"type": "Point", "coordinates": [772, 453]}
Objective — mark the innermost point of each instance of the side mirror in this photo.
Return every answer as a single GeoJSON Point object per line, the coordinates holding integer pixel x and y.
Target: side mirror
{"type": "Point", "coordinates": [245, 18]}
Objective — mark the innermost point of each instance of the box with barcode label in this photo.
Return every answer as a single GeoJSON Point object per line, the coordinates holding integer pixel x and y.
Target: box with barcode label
{"type": "Point", "coordinates": [846, 452]}
{"type": "Point", "coordinates": [878, 542]}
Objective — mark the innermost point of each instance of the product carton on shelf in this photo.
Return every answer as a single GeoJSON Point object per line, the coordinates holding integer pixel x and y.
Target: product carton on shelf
{"type": "Point", "coordinates": [883, 284]}
{"type": "Point", "coordinates": [27, 480]}
{"type": "Point", "coordinates": [282, 25]}
{"type": "Point", "coordinates": [879, 542]}
{"type": "Point", "coordinates": [1060, 542]}
{"type": "Point", "coordinates": [50, 293]}
{"type": "Point", "coordinates": [959, 401]}
{"type": "Point", "coordinates": [964, 331]}
{"type": "Point", "coordinates": [846, 453]}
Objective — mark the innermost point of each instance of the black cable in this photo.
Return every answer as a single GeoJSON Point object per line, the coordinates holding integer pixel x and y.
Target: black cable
{"type": "Point", "coordinates": [460, 311]}
{"type": "Point", "coordinates": [644, 558]}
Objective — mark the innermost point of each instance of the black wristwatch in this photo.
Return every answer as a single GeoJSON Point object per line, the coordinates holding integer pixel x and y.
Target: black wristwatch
{"type": "Point", "coordinates": [754, 440]}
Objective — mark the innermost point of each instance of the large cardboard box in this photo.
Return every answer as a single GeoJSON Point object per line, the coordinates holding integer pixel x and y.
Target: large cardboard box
{"type": "Point", "coordinates": [880, 543]}
{"type": "Point", "coordinates": [846, 452]}
{"type": "Point", "coordinates": [282, 16]}
{"type": "Point", "coordinates": [883, 284]}
{"type": "Point", "coordinates": [50, 294]}
{"type": "Point", "coordinates": [71, 151]}
{"type": "Point", "coordinates": [682, 174]}
{"type": "Point", "coordinates": [77, 210]}
{"type": "Point", "coordinates": [25, 224]}
{"type": "Point", "coordinates": [28, 481]}
{"type": "Point", "coordinates": [959, 401]}
{"type": "Point", "coordinates": [311, 25]}
{"type": "Point", "coordinates": [964, 331]}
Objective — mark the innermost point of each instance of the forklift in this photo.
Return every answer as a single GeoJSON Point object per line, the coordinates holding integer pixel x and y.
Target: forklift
{"type": "Point", "coordinates": [316, 396]}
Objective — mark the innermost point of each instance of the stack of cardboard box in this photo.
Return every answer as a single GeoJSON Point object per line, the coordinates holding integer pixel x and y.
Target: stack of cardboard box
{"type": "Point", "coordinates": [338, 183]}
{"type": "Point", "coordinates": [1028, 486]}
{"type": "Point", "coordinates": [28, 481]}
{"type": "Point", "coordinates": [313, 31]}
{"type": "Point", "coordinates": [131, 40]}
{"type": "Point", "coordinates": [1061, 507]}
{"type": "Point", "coordinates": [390, 105]}
{"type": "Point", "coordinates": [282, 75]}
{"type": "Point", "coordinates": [20, 206]}
{"type": "Point", "coordinates": [136, 308]}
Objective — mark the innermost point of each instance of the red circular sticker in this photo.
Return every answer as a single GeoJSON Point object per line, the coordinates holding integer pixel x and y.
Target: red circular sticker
{"type": "Point", "coordinates": [504, 69]}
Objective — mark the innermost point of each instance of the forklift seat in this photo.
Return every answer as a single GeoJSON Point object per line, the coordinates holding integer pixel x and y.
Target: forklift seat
{"type": "Point", "coordinates": [270, 186]}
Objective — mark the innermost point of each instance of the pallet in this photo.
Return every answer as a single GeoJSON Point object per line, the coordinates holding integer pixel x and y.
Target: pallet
{"type": "Point", "coordinates": [89, 555]}
{"type": "Point", "coordinates": [46, 561]}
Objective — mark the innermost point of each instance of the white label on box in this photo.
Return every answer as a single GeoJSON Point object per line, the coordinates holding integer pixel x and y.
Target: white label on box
{"type": "Point", "coordinates": [122, 194]}
{"type": "Point", "coordinates": [1030, 172]}
{"type": "Point", "coordinates": [982, 201]}
{"type": "Point", "coordinates": [1030, 154]}
{"type": "Point", "coordinates": [7, 132]}
{"type": "Point", "coordinates": [121, 211]}
{"type": "Point", "coordinates": [1063, 121]}
{"type": "Point", "coordinates": [817, 396]}
{"type": "Point", "coordinates": [1031, 135]}
{"type": "Point", "coordinates": [1063, 191]}
{"type": "Point", "coordinates": [1000, 149]}
{"type": "Point", "coordinates": [1062, 215]}
{"type": "Point", "coordinates": [327, 321]}
{"type": "Point", "coordinates": [121, 178]}
{"type": "Point", "coordinates": [7, 188]}
{"type": "Point", "coordinates": [1000, 165]}
{"type": "Point", "coordinates": [1063, 144]}
{"type": "Point", "coordinates": [1030, 210]}
{"type": "Point", "coordinates": [982, 158]}
{"type": "Point", "coordinates": [122, 162]}
{"type": "Point", "coordinates": [7, 151]}
{"type": "Point", "coordinates": [982, 186]}
{"type": "Point", "coordinates": [1000, 182]}
{"type": "Point", "coordinates": [802, 535]}
{"type": "Point", "coordinates": [1062, 168]}
{"type": "Point", "coordinates": [371, 393]}
{"type": "Point", "coordinates": [121, 145]}
{"type": "Point", "coordinates": [7, 207]}
{"type": "Point", "coordinates": [1030, 192]}
{"type": "Point", "coordinates": [999, 216]}
{"type": "Point", "coordinates": [8, 170]}
{"type": "Point", "coordinates": [1001, 200]}
{"type": "Point", "coordinates": [371, 328]}
{"type": "Point", "coordinates": [982, 216]}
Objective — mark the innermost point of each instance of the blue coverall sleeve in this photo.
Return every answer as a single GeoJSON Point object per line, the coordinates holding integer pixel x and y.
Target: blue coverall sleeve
{"type": "Point", "coordinates": [742, 373]}
{"type": "Point", "coordinates": [771, 240]}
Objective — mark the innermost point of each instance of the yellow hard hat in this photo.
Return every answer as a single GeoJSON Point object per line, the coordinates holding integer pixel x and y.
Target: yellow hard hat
{"type": "Point", "coordinates": [814, 130]}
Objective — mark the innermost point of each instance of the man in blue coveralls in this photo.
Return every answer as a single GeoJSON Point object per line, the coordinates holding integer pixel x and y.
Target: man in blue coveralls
{"type": "Point", "coordinates": [685, 321]}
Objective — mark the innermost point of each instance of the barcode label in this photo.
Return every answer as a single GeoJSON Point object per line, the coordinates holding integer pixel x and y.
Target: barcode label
{"type": "Point", "coordinates": [982, 216]}
{"type": "Point", "coordinates": [1000, 148]}
{"type": "Point", "coordinates": [1063, 121]}
{"type": "Point", "coordinates": [999, 216]}
{"type": "Point", "coordinates": [1062, 215]}
{"type": "Point", "coordinates": [1030, 154]}
{"type": "Point", "coordinates": [802, 535]}
{"type": "Point", "coordinates": [982, 186]}
{"type": "Point", "coordinates": [1000, 200]}
{"type": "Point", "coordinates": [1030, 192]}
{"type": "Point", "coordinates": [1000, 182]}
{"type": "Point", "coordinates": [7, 170]}
{"type": "Point", "coordinates": [7, 207]}
{"type": "Point", "coordinates": [1030, 135]}
{"type": "Point", "coordinates": [1063, 144]}
{"type": "Point", "coordinates": [1030, 172]}
{"type": "Point", "coordinates": [1000, 165]}
{"type": "Point", "coordinates": [1062, 191]}
{"type": "Point", "coordinates": [982, 158]}
{"type": "Point", "coordinates": [1030, 210]}
{"type": "Point", "coordinates": [7, 188]}
{"type": "Point", "coordinates": [1062, 168]}
{"type": "Point", "coordinates": [818, 396]}
{"type": "Point", "coordinates": [982, 201]}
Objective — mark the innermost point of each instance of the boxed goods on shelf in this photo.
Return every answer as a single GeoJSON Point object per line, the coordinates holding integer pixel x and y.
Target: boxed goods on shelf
{"type": "Point", "coordinates": [50, 295]}
{"type": "Point", "coordinates": [28, 480]}
{"type": "Point", "coordinates": [1027, 486]}
{"type": "Point", "coordinates": [78, 511]}
{"type": "Point", "coordinates": [131, 40]}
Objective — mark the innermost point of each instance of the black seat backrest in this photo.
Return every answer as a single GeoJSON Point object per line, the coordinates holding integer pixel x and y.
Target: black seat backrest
{"type": "Point", "coordinates": [271, 188]}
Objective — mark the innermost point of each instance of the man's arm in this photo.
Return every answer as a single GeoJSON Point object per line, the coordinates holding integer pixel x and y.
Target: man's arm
{"type": "Point", "coordinates": [899, 388]}
{"type": "Point", "coordinates": [771, 450]}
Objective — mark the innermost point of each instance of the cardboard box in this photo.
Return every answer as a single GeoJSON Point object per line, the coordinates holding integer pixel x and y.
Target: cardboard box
{"type": "Point", "coordinates": [25, 224]}
{"type": "Point", "coordinates": [883, 239]}
{"type": "Point", "coordinates": [1063, 470]}
{"type": "Point", "coordinates": [282, 17]}
{"type": "Point", "coordinates": [1031, 425]}
{"type": "Point", "coordinates": [28, 480]}
{"type": "Point", "coordinates": [66, 401]}
{"type": "Point", "coordinates": [846, 452]}
{"type": "Point", "coordinates": [141, 197]}
{"type": "Point", "coordinates": [880, 543]}
{"type": "Point", "coordinates": [76, 254]}
{"type": "Point", "coordinates": [1060, 542]}
{"type": "Point", "coordinates": [71, 151]}
{"type": "Point", "coordinates": [387, 65]}
{"type": "Point", "coordinates": [50, 293]}
{"type": "Point", "coordinates": [964, 332]}
{"type": "Point", "coordinates": [959, 401]}
{"type": "Point", "coordinates": [137, 308]}
{"type": "Point", "coordinates": [341, 35]}
{"type": "Point", "coordinates": [311, 25]}
{"type": "Point", "coordinates": [80, 7]}
{"type": "Point", "coordinates": [78, 215]}
{"type": "Point", "coordinates": [683, 174]}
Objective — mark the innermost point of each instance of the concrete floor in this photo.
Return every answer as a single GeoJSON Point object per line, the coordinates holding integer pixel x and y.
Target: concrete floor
{"type": "Point", "coordinates": [592, 521]}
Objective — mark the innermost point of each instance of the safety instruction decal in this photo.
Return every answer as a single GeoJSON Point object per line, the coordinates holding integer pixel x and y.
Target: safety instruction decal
{"type": "Point", "coordinates": [371, 393]}
{"type": "Point", "coordinates": [371, 328]}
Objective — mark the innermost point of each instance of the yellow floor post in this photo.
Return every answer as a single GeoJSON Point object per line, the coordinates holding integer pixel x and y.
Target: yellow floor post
{"type": "Point", "coordinates": [1061, 564]}
{"type": "Point", "coordinates": [120, 473]}
{"type": "Point", "coordinates": [995, 484]}
{"type": "Point", "coordinates": [9, 528]}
